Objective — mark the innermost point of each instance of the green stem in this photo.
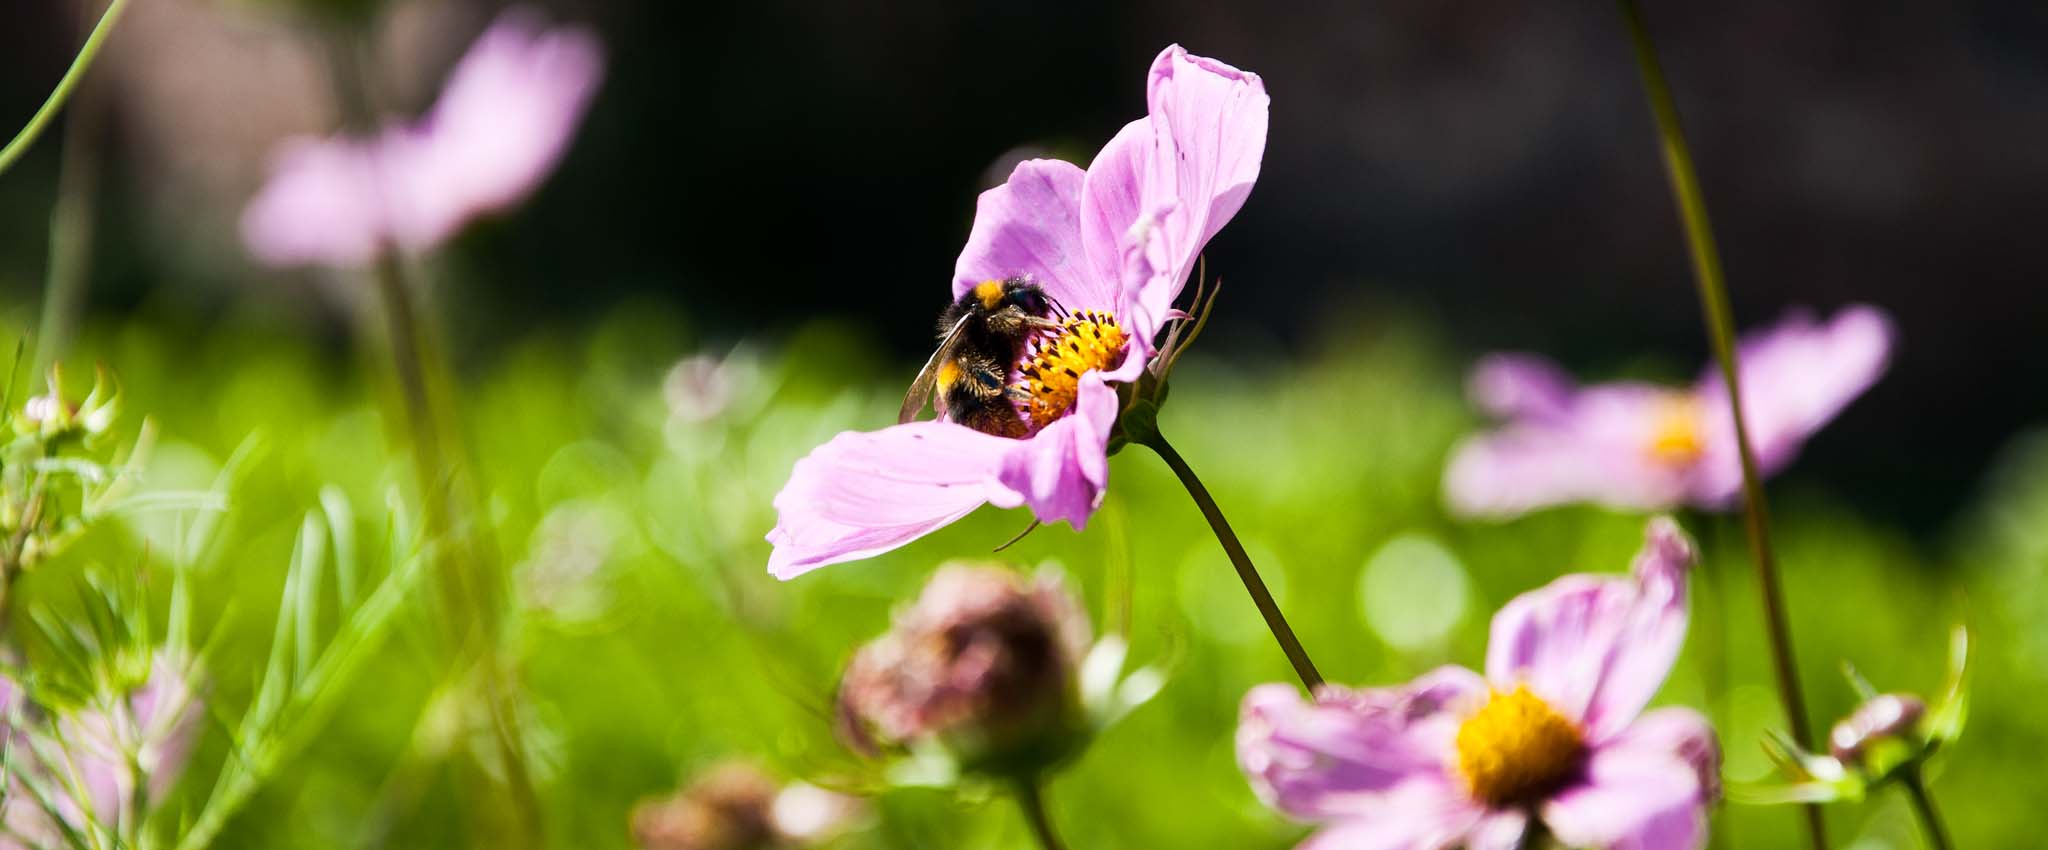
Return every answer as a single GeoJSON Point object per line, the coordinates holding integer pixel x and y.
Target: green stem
{"type": "Point", "coordinates": [1031, 799]}
{"type": "Point", "coordinates": [1923, 805]}
{"type": "Point", "coordinates": [1713, 291]}
{"type": "Point", "coordinates": [466, 565]}
{"type": "Point", "coordinates": [1263, 598]}
{"type": "Point", "coordinates": [55, 102]}
{"type": "Point", "coordinates": [402, 328]}
{"type": "Point", "coordinates": [71, 223]}
{"type": "Point", "coordinates": [1709, 639]}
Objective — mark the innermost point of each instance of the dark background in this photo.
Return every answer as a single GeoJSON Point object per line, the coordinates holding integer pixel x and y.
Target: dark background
{"type": "Point", "coordinates": [1487, 166]}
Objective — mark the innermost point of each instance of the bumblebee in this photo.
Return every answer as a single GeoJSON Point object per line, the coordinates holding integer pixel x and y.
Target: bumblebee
{"type": "Point", "coordinates": [981, 338]}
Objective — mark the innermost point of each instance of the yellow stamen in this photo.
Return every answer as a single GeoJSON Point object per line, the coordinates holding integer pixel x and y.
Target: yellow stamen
{"type": "Point", "coordinates": [1052, 370]}
{"type": "Point", "coordinates": [1677, 436]}
{"type": "Point", "coordinates": [1517, 748]}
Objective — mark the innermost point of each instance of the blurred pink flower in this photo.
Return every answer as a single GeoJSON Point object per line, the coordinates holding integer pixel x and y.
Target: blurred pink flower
{"type": "Point", "coordinates": [158, 721]}
{"type": "Point", "coordinates": [502, 123]}
{"type": "Point", "coordinates": [1113, 244]}
{"type": "Point", "coordinates": [1642, 446]}
{"type": "Point", "coordinates": [1554, 732]}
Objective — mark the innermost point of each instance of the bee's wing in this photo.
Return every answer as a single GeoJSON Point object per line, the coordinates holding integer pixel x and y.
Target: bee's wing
{"type": "Point", "coordinates": [928, 378]}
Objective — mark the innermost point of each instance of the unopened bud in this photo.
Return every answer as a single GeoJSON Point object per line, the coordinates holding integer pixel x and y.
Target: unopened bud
{"type": "Point", "coordinates": [983, 666]}
{"type": "Point", "coordinates": [44, 408]}
{"type": "Point", "coordinates": [1883, 717]}
{"type": "Point", "coordinates": [730, 807]}
{"type": "Point", "coordinates": [735, 806]}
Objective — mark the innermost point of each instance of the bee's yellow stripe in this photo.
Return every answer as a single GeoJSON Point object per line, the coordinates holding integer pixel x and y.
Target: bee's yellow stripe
{"type": "Point", "coordinates": [990, 292]}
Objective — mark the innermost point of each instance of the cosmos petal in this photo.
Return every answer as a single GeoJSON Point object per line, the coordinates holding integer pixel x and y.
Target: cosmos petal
{"type": "Point", "coordinates": [1421, 817]}
{"type": "Point", "coordinates": [1597, 448]}
{"type": "Point", "coordinates": [1031, 226]}
{"type": "Point", "coordinates": [1111, 203]}
{"type": "Point", "coordinates": [1062, 470]}
{"type": "Point", "coordinates": [865, 493]}
{"type": "Point", "coordinates": [1681, 732]}
{"type": "Point", "coordinates": [321, 206]}
{"type": "Point", "coordinates": [1630, 799]}
{"type": "Point", "coordinates": [1515, 470]}
{"type": "Point", "coordinates": [1346, 753]}
{"type": "Point", "coordinates": [1797, 376]}
{"type": "Point", "coordinates": [1209, 120]}
{"type": "Point", "coordinates": [1598, 648]}
{"type": "Point", "coordinates": [1514, 385]}
{"type": "Point", "coordinates": [503, 122]}
{"type": "Point", "coordinates": [1498, 830]}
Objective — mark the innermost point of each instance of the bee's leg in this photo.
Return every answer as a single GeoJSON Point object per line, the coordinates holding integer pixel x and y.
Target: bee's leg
{"type": "Point", "coordinates": [987, 379]}
{"type": "Point", "coordinates": [1041, 324]}
{"type": "Point", "coordinates": [1017, 393]}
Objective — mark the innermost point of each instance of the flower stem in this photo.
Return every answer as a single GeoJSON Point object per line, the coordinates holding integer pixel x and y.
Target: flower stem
{"type": "Point", "coordinates": [1263, 598]}
{"type": "Point", "coordinates": [55, 102]}
{"type": "Point", "coordinates": [1031, 799]}
{"type": "Point", "coordinates": [1923, 805]}
{"type": "Point", "coordinates": [1713, 290]}
{"type": "Point", "coordinates": [466, 561]}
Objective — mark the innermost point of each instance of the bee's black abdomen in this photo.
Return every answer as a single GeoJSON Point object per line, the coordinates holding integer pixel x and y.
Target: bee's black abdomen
{"type": "Point", "coordinates": [991, 338]}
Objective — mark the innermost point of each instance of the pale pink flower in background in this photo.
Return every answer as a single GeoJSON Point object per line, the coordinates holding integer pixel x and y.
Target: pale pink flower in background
{"type": "Point", "coordinates": [1643, 446]}
{"type": "Point", "coordinates": [1555, 732]}
{"type": "Point", "coordinates": [501, 125]}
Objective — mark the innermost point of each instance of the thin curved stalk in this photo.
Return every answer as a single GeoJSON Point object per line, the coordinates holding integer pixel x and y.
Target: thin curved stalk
{"type": "Point", "coordinates": [1246, 572]}
{"type": "Point", "coordinates": [1923, 806]}
{"type": "Point", "coordinates": [1031, 799]}
{"type": "Point", "coordinates": [55, 102]}
{"type": "Point", "coordinates": [72, 222]}
{"type": "Point", "coordinates": [468, 568]}
{"type": "Point", "coordinates": [1713, 292]}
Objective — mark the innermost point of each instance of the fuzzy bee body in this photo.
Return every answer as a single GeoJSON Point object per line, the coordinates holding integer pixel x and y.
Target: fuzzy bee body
{"type": "Point", "coordinates": [981, 337]}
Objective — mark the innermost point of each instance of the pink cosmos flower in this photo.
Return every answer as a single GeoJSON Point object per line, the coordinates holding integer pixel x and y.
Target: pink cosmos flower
{"type": "Point", "coordinates": [1642, 446]}
{"type": "Point", "coordinates": [502, 123]}
{"type": "Point", "coordinates": [1114, 242]}
{"type": "Point", "coordinates": [1554, 733]}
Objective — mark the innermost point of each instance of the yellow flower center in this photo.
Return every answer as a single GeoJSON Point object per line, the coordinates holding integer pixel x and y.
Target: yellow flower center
{"type": "Point", "coordinates": [1052, 370]}
{"type": "Point", "coordinates": [1677, 435]}
{"type": "Point", "coordinates": [1517, 748]}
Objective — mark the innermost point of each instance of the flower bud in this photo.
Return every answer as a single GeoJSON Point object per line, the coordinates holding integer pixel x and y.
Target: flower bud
{"type": "Point", "coordinates": [728, 808]}
{"type": "Point", "coordinates": [46, 408]}
{"type": "Point", "coordinates": [735, 806]}
{"type": "Point", "coordinates": [983, 667]}
{"type": "Point", "coordinates": [1878, 719]}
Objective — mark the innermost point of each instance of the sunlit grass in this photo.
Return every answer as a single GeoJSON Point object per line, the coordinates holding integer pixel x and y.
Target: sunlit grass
{"type": "Point", "coordinates": [651, 641]}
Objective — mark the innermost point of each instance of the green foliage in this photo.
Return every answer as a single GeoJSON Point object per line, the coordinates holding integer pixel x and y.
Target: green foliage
{"type": "Point", "coordinates": [629, 500]}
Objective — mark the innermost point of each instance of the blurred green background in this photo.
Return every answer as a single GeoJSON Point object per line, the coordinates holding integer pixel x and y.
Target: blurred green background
{"type": "Point", "coordinates": [629, 496]}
